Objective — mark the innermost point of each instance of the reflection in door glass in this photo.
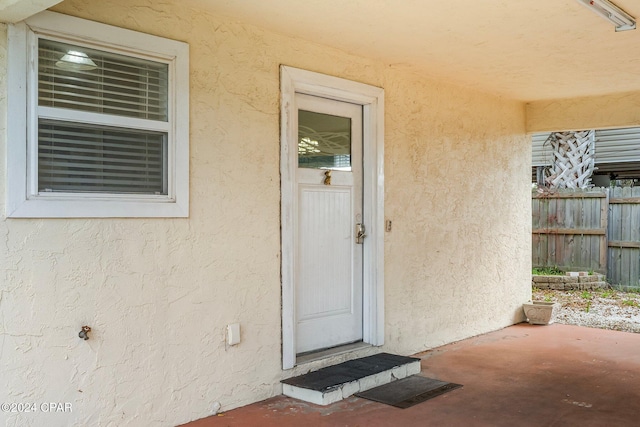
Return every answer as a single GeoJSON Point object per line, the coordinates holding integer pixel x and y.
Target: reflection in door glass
{"type": "Point", "coordinates": [324, 141]}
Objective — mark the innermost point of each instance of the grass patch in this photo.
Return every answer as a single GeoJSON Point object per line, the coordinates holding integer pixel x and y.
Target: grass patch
{"type": "Point", "coordinates": [609, 293]}
{"type": "Point", "coordinates": [631, 303]}
{"type": "Point", "coordinates": [547, 271]}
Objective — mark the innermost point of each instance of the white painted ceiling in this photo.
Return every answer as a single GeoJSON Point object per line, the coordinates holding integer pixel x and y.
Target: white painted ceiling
{"type": "Point", "coordinates": [521, 49]}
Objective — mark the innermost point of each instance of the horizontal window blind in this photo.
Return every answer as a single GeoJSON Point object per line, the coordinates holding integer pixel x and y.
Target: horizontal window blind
{"type": "Point", "coordinates": [106, 157]}
{"type": "Point", "coordinates": [89, 158]}
{"type": "Point", "coordinates": [118, 84]}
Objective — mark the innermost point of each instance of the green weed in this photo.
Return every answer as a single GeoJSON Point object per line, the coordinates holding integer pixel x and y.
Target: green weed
{"type": "Point", "coordinates": [548, 271]}
{"type": "Point", "coordinates": [608, 293]}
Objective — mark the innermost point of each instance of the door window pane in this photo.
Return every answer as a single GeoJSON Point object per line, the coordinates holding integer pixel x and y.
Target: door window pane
{"type": "Point", "coordinates": [324, 141]}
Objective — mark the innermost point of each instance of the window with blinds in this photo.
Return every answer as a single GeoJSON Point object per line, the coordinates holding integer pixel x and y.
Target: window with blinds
{"type": "Point", "coordinates": [102, 121]}
{"type": "Point", "coordinates": [97, 121]}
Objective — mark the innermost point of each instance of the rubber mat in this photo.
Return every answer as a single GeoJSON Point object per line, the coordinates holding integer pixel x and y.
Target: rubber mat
{"type": "Point", "coordinates": [334, 376]}
{"type": "Point", "coordinates": [409, 391]}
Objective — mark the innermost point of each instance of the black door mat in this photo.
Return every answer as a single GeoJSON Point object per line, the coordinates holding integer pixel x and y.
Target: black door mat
{"type": "Point", "coordinates": [409, 391]}
{"type": "Point", "coordinates": [333, 376]}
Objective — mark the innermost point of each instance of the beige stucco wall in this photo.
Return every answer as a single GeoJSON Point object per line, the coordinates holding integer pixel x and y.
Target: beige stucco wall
{"type": "Point", "coordinates": [601, 112]}
{"type": "Point", "coordinates": [159, 293]}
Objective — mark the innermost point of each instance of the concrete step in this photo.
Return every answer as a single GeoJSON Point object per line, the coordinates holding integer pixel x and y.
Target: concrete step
{"type": "Point", "coordinates": [334, 383]}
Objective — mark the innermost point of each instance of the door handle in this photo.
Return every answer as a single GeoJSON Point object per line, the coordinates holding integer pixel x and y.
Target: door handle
{"type": "Point", "coordinates": [327, 178]}
{"type": "Point", "coordinates": [360, 233]}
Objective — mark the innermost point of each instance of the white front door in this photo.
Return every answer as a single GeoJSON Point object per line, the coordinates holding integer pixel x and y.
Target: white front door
{"type": "Point", "coordinates": [328, 214]}
{"type": "Point", "coordinates": [332, 287]}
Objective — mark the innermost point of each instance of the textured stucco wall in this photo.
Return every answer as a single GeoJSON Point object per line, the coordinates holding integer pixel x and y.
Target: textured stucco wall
{"type": "Point", "coordinates": [601, 112]}
{"type": "Point", "coordinates": [159, 292]}
{"type": "Point", "coordinates": [455, 190]}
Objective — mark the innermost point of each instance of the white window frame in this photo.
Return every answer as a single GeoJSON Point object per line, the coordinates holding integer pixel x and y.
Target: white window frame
{"type": "Point", "coordinates": [23, 199]}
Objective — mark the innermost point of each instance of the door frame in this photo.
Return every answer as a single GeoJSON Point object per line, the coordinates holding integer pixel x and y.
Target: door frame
{"type": "Point", "coordinates": [371, 98]}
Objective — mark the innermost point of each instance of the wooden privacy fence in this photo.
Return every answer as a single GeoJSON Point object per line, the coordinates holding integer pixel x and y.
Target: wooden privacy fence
{"type": "Point", "coordinates": [592, 230]}
{"type": "Point", "coordinates": [570, 229]}
{"type": "Point", "coordinates": [624, 236]}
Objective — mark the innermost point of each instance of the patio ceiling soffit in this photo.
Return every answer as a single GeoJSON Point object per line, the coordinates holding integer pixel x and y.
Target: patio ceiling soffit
{"type": "Point", "coordinates": [12, 11]}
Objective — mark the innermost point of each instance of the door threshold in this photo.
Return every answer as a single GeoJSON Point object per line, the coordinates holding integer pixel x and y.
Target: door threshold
{"type": "Point", "coordinates": [330, 352]}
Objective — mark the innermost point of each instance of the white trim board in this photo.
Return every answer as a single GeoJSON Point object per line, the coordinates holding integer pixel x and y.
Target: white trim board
{"type": "Point", "coordinates": [292, 81]}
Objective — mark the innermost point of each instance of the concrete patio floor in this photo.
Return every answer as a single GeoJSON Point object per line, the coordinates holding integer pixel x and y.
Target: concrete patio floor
{"type": "Point", "coordinates": [556, 375]}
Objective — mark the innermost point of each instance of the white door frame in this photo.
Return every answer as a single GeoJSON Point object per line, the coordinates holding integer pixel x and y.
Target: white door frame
{"type": "Point", "coordinates": [292, 81]}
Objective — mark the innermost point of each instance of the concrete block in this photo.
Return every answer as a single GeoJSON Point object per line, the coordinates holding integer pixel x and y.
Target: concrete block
{"type": "Point", "coordinates": [413, 368]}
{"type": "Point", "coordinates": [349, 389]}
{"type": "Point", "coordinates": [399, 372]}
{"type": "Point", "coordinates": [313, 396]}
{"type": "Point", "coordinates": [372, 381]}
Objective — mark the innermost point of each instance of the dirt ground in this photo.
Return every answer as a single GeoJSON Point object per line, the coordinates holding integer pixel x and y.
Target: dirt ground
{"type": "Point", "coordinates": [606, 308]}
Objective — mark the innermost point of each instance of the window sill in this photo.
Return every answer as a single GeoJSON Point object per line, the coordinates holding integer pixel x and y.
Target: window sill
{"type": "Point", "coordinates": [99, 209]}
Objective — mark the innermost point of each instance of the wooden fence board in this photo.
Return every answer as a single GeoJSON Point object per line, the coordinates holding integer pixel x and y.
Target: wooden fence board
{"type": "Point", "coordinates": [604, 223]}
{"type": "Point", "coordinates": [621, 200]}
{"type": "Point", "coordinates": [586, 213]}
{"type": "Point", "coordinates": [625, 222]}
{"type": "Point", "coordinates": [614, 234]}
{"type": "Point", "coordinates": [620, 244]}
{"type": "Point", "coordinates": [552, 241]}
{"type": "Point", "coordinates": [572, 231]}
{"type": "Point", "coordinates": [614, 266]}
{"type": "Point", "coordinates": [572, 243]}
{"type": "Point", "coordinates": [562, 194]}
